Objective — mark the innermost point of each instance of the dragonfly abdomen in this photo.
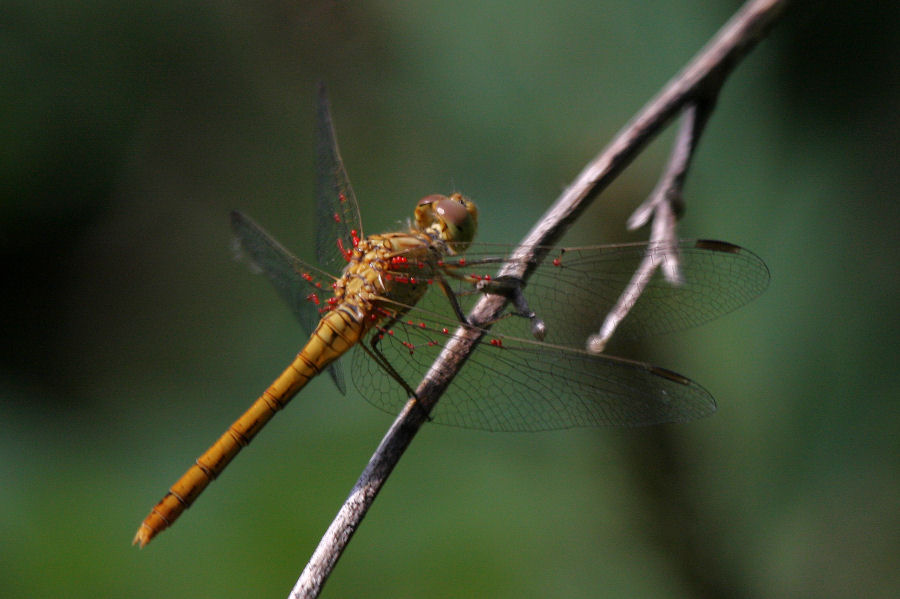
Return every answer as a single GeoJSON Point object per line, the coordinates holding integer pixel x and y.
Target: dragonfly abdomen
{"type": "Point", "coordinates": [336, 333]}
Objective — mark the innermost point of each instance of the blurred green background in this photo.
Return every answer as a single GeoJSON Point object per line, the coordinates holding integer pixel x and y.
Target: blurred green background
{"type": "Point", "coordinates": [132, 339]}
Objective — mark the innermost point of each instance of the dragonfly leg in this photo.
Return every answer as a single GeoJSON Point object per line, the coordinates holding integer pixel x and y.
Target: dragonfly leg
{"type": "Point", "coordinates": [383, 362]}
{"type": "Point", "coordinates": [451, 297]}
{"type": "Point", "coordinates": [511, 287]}
{"type": "Point", "coordinates": [380, 359]}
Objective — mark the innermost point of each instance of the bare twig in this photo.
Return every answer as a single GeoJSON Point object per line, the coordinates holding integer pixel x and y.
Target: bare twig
{"type": "Point", "coordinates": [662, 208]}
{"type": "Point", "coordinates": [696, 84]}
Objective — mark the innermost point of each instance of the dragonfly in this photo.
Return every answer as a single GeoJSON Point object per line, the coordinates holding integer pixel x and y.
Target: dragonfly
{"type": "Point", "coordinates": [374, 295]}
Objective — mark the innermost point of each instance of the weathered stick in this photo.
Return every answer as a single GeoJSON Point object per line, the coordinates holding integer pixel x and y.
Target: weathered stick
{"type": "Point", "coordinates": [697, 83]}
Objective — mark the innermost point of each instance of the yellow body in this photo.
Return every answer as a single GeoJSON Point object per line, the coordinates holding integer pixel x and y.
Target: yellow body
{"type": "Point", "coordinates": [367, 293]}
{"type": "Point", "coordinates": [336, 333]}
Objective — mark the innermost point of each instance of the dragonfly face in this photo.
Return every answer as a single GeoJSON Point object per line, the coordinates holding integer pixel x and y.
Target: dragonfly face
{"type": "Point", "coordinates": [453, 219]}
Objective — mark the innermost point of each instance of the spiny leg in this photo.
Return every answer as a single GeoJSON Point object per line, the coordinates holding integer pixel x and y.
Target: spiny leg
{"type": "Point", "coordinates": [509, 287]}
{"type": "Point", "coordinates": [376, 354]}
{"type": "Point", "coordinates": [451, 297]}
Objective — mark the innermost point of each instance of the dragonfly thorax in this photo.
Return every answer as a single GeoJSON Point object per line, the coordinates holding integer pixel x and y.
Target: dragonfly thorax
{"type": "Point", "coordinates": [387, 271]}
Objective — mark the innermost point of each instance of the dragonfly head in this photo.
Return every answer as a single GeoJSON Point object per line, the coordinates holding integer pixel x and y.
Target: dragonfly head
{"type": "Point", "coordinates": [453, 219]}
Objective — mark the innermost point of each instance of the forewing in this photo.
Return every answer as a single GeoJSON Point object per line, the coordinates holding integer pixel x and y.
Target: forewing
{"type": "Point", "coordinates": [338, 221]}
{"type": "Point", "coordinates": [573, 289]}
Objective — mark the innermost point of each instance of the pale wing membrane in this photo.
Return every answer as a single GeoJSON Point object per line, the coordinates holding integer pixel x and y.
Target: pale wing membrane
{"type": "Point", "coordinates": [519, 384]}
{"type": "Point", "coordinates": [574, 294]}
{"type": "Point", "coordinates": [337, 212]}
{"type": "Point", "coordinates": [292, 278]}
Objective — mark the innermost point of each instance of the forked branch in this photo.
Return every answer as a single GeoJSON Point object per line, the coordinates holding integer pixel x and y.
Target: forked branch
{"type": "Point", "coordinates": [692, 92]}
{"type": "Point", "coordinates": [661, 209]}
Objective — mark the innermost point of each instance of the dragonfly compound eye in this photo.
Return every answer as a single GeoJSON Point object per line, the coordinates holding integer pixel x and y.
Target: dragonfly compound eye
{"type": "Point", "coordinates": [460, 220]}
{"type": "Point", "coordinates": [425, 216]}
{"type": "Point", "coordinates": [451, 211]}
{"type": "Point", "coordinates": [454, 219]}
{"type": "Point", "coordinates": [433, 198]}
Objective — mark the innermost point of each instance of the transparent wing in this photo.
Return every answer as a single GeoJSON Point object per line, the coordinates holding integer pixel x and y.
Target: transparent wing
{"type": "Point", "coordinates": [573, 288]}
{"type": "Point", "coordinates": [304, 288]}
{"type": "Point", "coordinates": [513, 382]}
{"type": "Point", "coordinates": [338, 221]}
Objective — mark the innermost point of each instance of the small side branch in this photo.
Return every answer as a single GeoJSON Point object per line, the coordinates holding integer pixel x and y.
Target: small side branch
{"type": "Point", "coordinates": [661, 208]}
{"type": "Point", "coordinates": [695, 85]}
